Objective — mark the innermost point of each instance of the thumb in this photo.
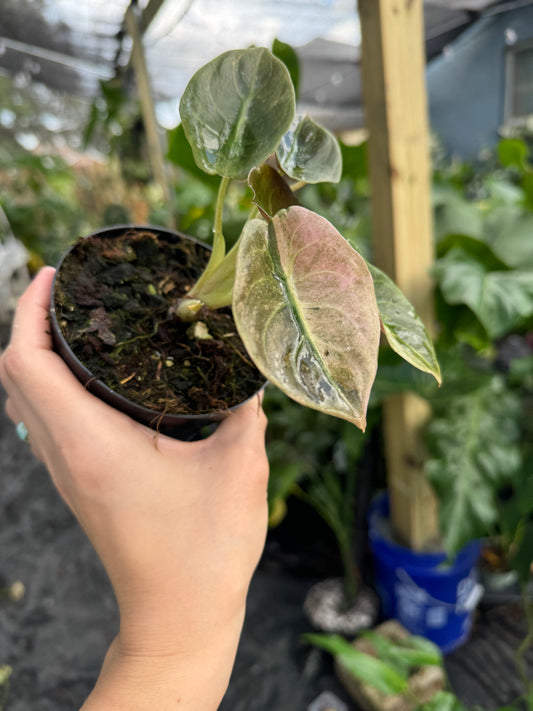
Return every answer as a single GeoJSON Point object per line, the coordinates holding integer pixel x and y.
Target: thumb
{"type": "Point", "coordinates": [247, 421]}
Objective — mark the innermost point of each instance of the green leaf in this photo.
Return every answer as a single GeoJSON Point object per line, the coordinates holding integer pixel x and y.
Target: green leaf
{"type": "Point", "coordinates": [286, 54]}
{"type": "Point", "coordinates": [404, 330]}
{"type": "Point", "coordinates": [271, 192]}
{"type": "Point", "coordinates": [235, 110]}
{"type": "Point", "coordinates": [455, 215]}
{"type": "Point", "coordinates": [362, 666]}
{"type": "Point", "coordinates": [475, 248]}
{"type": "Point", "coordinates": [310, 153]}
{"type": "Point", "coordinates": [305, 308]}
{"type": "Point", "coordinates": [354, 161]}
{"type": "Point", "coordinates": [442, 701]}
{"type": "Point", "coordinates": [513, 152]}
{"type": "Point", "coordinates": [474, 444]}
{"type": "Point", "coordinates": [406, 654]}
{"type": "Point", "coordinates": [509, 231]}
{"type": "Point", "coordinates": [502, 300]}
{"type": "Point", "coordinates": [502, 193]}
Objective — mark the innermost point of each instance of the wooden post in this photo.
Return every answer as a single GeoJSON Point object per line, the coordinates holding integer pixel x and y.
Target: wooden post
{"type": "Point", "coordinates": [393, 63]}
{"type": "Point", "coordinates": [155, 148]}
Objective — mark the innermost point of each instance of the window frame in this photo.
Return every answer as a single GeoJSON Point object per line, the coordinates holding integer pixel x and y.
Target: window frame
{"type": "Point", "coordinates": [509, 118]}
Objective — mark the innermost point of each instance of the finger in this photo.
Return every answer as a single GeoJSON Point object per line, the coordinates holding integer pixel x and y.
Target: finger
{"type": "Point", "coordinates": [30, 325]}
{"type": "Point", "coordinates": [12, 412]}
{"type": "Point", "coordinates": [247, 421]}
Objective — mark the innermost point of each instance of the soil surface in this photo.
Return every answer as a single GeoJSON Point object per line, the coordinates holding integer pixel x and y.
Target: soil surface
{"type": "Point", "coordinates": [115, 300]}
{"type": "Point", "coordinates": [56, 635]}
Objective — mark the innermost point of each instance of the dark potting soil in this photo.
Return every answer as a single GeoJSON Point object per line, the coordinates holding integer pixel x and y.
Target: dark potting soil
{"type": "Point", "coordinates": [114, 303]}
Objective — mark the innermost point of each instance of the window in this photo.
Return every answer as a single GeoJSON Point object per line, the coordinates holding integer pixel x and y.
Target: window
{"type": "Point", "coordinates": [519, 84]}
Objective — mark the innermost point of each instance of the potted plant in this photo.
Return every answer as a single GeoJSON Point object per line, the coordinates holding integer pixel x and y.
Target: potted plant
{"type": "Point", "coordinates": [308, 308]}
{"type": "Point", "coordinates": [388, 669]}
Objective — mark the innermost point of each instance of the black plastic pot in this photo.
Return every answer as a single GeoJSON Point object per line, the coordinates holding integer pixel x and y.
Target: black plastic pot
{"type": "Point", "coordinates": [186, 427]}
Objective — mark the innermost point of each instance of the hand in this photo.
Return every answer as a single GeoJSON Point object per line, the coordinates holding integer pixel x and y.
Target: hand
{"type": "Point", "coordinates": [179, 526]}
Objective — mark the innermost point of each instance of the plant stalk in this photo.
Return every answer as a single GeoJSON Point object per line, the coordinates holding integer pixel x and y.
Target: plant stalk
{"type": "Point", "coordinates": [219, 244]}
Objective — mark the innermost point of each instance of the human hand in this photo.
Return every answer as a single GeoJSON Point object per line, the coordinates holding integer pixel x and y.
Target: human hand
{"type": "Point", "coordinates": [179, 526]}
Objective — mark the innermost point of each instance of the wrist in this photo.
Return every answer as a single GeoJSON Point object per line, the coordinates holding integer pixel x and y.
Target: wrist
{"type": "Point", "coordinates": [135, 679]}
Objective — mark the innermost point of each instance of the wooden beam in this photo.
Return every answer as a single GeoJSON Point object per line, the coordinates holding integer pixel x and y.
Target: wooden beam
{"type": "Point", "coordinates": [393, 64]}
{"type": "Point", "coordinates": [154, 140]}
{"type": "Point", "coordinates": [148, 14]}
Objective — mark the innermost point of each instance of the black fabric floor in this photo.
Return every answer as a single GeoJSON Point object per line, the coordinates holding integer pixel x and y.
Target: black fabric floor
{"type": "Point", "coordinates": [55, 637]}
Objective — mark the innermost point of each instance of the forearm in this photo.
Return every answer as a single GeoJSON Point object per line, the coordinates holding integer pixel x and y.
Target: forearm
{"type": "Point", "coordinates": [183, 682]}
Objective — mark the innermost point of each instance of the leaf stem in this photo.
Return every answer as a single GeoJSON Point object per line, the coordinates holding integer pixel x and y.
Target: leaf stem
{"type": "Point", "coordinates": [298, 186]}
{"type": "Point", "coordinates": [218, 253]}
{"type": "Point", "coordinates": [219, 244]}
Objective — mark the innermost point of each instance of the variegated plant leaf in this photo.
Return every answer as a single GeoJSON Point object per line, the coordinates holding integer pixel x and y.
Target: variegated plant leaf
{"type": "Point", "coordinates": [309, 152]}
{"type": "Point", "coordinates": [305, 308]}
{"type": "Point", "coordinates": [235, 110]}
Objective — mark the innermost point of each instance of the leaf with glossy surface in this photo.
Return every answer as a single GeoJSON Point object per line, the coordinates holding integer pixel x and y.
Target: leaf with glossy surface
{"type": "Point", "coordinates": [310, 153]}
{"type": "Point", "coordinates": [405, 332]}
{"type": "Point", "coordinates": [271, 192]}
{"type": "Point", "coordinates": [305, 308]}
{"type": "Point", "coordinates": [235, 110]}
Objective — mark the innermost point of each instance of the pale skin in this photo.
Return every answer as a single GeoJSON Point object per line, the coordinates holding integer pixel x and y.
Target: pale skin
{"type": "Point", "coordinates": [179, 526]}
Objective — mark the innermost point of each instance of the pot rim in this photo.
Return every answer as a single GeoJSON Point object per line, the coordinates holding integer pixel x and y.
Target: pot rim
{"type": "Point", "coordinates": [155, 419]}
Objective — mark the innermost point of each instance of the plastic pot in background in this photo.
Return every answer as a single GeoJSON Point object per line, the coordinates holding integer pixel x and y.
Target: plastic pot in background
{"type": "Point", "coordinates": [186, 426]}
{"type": "Point", "coordinates": [428, 594]}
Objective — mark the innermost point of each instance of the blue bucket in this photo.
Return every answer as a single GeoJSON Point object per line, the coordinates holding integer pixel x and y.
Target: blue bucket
{"type": "Point", "coordinates": [428, 594]}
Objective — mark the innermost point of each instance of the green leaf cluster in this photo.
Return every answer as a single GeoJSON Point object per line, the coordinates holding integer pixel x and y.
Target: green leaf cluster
{"type": "Point", "coordinates": [474, 455]}
{"type": "Point", "coordinates": [389, 668]}
{"type": "Point", "coordinates": [485, 249]}
{"type": "Point", "coordinates": [480, 435]}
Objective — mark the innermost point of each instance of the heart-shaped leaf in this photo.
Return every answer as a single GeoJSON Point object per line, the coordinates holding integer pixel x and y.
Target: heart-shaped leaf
{"type": "Point", "coordinates": [235, 110]}
{"type": "Point", "coordinates": [404, 330]}
{"type": "Point", "coordinates": [305, 308]}
{"type": "Point", "coordinates": [502, 300]}
{"type": "Point", "coordinates": [311, 153]}
{"type": "Point", "coordinates": [271, 192]}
